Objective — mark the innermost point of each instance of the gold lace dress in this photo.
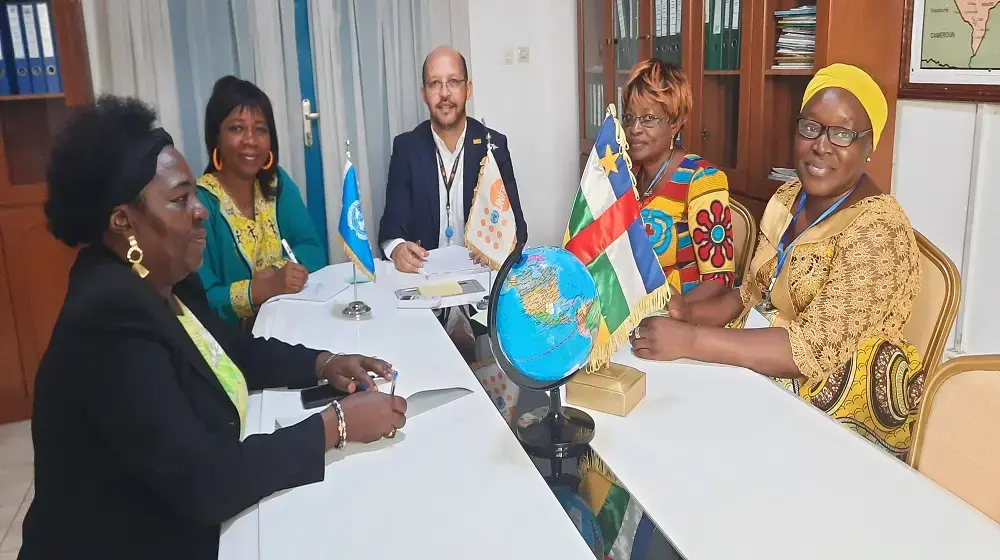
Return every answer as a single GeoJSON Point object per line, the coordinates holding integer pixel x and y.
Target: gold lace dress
{"type": "Point", "coordinates": [844, 296]}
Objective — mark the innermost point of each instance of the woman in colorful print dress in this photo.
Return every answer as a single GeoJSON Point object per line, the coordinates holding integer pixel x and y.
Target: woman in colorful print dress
{"type": "Point", "coordinates": [835, 275]}
{"type": "Point", "coordinates": [684, 199]}
{"type": "Point", "coordinates": [253, 204]}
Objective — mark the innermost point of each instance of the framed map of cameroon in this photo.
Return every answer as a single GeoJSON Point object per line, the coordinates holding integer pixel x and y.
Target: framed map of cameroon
{"type": "Point", "coordinates": [951, 50]}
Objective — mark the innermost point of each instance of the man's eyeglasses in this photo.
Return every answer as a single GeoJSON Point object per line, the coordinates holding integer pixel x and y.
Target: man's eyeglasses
{"type": "Point", "coordinates": [647, 121]}
{"type": "Point", "coordinates": [452, 84]}
{"type": "Point", "coordinates": [838, 135]}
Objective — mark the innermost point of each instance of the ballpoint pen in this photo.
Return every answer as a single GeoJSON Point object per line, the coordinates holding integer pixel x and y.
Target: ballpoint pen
{"type": "Point", "coordinates": [288, 249]}
{"type": "Point", "coordinates": [392, 392]}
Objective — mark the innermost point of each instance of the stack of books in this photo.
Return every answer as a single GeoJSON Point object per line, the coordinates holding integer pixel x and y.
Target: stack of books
{"type": "Point", "coordinates": [782, 174]}
{"type": "Point", "coordinates": [796, 38]}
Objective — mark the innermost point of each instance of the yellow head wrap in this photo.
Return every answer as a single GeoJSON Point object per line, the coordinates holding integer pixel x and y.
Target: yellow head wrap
{"type": "Point", "coordinates": [859, 83]}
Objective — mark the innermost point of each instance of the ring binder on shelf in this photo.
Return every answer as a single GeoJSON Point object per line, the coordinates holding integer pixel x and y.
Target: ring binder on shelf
{"type": "Point", "coordinates": [35, 67]}
{"type": "Point", "coordinates": [50, 59]}
{"type": "Point", "coordinates": [21, 78]}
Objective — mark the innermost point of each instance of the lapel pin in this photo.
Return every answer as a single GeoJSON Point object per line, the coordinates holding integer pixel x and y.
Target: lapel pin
{"type": "Point", "coordinates": [477, 140]}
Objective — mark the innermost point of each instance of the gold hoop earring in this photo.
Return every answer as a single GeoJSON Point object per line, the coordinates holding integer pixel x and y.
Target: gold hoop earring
{"type": "Point", "coordinates": [134, 257]}
{"type": "Point", "coordinates": [215, 160]}
{"type": "Point", "coordinates": [270, 160]}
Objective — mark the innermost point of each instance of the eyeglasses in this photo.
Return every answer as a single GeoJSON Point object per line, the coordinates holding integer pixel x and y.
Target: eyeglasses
{"type": "Point", "coordinates": [647, 121]}
{"type": "Point", "coordinates": [452, 84]}
{"type": "Point", "coordinates": [838, 135]}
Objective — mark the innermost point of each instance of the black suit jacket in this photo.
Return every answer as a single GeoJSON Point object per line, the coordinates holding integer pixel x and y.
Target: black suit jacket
{"type": "Point", "coordinates": [412, 192]}
{"type": "Point", "coordinates": [137, 445]}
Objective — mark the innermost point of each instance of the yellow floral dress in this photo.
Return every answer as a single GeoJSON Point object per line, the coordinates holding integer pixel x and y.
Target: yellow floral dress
{"type": "Point", "coordinates": [229, 375]}
{"type": "Point", "coordinates": [844, 295]}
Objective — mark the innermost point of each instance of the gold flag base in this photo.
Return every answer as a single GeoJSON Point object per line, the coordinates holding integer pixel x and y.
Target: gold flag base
{"type": "Point", "coordinates": [614, 389]}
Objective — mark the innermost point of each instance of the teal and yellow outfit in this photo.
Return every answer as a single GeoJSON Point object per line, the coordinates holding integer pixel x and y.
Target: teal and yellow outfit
{"type": "Point", "coordinates": [239, 246]}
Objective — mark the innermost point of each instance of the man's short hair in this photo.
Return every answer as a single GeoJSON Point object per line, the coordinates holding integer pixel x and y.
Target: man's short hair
{"type": "Point", "coordinates": [461, 57]}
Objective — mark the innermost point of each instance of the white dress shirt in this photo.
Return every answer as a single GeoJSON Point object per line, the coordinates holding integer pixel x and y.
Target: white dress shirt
{"type": "Point", "coordinates": [457, 194]}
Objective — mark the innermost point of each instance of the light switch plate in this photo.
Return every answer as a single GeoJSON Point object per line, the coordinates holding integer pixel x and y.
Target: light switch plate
{"type": "Point", "coordinates": [508, 56]}
{"type": "Point", "coordinates": [523, 54]}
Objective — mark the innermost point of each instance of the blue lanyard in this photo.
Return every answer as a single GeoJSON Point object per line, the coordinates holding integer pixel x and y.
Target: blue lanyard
{"type": "Point", "coordinates": [659, 174]}
{"type": "Point", "coordinates": [785, 250]}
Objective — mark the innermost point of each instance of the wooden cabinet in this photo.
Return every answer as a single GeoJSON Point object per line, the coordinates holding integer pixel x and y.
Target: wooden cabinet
{"type": "Point", "coordinates": [743, 117]}
{"type": "Point", "coordinates": [33, 265]}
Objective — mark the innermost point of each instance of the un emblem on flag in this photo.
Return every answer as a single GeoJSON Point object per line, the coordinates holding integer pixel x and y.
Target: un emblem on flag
{"type": "Point", "coordinates": [356, 220]}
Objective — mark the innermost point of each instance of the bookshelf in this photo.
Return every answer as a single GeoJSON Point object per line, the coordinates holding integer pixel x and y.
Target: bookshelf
{"type": "Point", "coordinates": [744, 113]}
{"type": "Point", "coordinates": [33, 265]}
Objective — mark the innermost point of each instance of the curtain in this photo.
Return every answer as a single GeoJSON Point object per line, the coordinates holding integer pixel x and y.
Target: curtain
{"type": "Point", "coordinates": [126, 38]}
{"type": "Point", "coordinates": [169, 53]}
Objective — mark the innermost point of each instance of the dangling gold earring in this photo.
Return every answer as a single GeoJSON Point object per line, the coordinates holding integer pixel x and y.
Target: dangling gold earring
{"type": "Point", "coordinates": [270, 161]}
{"type": "Point", "coordinates": [134, 257]}
{"type": "Point", "coordinates": [215, 160]}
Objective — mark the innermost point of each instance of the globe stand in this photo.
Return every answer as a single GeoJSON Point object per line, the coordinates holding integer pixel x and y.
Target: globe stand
{"type": "Point", "coordinates": [556, 432]}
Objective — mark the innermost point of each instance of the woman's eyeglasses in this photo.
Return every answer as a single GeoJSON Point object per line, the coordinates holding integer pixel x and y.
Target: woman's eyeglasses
{"type": "Point", "coordinates": [647, 121]}
{"type": "Point", "coordinates": [838, 135]}
{"type": "Point", "coordinates": [452, 84]}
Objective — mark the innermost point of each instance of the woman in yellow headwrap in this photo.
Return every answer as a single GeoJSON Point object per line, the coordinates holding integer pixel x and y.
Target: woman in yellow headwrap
{"type": "Point", "coordinates": [832, 282]}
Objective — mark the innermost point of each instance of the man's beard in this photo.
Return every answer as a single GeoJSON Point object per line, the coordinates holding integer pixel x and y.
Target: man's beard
{"type": "Point", "coordinates": [460, 117]}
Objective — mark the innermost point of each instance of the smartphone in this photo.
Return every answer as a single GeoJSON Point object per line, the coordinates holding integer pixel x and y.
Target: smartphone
{"type": "Point", "coordinates": [321, 395]}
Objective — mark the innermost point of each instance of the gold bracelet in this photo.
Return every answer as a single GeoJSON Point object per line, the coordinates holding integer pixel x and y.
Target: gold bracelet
{"type": "Point", "coordinates": [322, 368]}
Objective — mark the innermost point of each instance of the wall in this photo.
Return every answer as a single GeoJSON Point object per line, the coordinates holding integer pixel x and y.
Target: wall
{"type": "Point", "coordinates": [535, 104]}
{"type": "Point", "coordinates": [945, 179]}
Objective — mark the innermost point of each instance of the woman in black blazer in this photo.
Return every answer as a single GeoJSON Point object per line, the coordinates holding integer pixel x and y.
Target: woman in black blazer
{"type": "Point", "coordinates": [140, 399]}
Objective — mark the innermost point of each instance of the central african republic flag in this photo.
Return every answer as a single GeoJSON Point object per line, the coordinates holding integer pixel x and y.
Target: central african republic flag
{"type": "Point", "coordinates": [607, 234]}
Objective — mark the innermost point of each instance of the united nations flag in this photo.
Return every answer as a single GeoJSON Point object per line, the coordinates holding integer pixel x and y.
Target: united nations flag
{"type": "Point", "coordinates": [352, 231]}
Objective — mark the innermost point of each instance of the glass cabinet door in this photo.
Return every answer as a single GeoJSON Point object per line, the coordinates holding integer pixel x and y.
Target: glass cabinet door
{"type": "Point", "coordinates": [596, 43]}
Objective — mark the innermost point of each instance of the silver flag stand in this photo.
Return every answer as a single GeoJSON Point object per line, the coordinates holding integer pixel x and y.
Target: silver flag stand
{"type": "Point", "coordinates": [357, 309]}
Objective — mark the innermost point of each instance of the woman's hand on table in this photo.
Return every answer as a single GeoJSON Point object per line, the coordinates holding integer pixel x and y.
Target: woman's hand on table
{"type": "Point", "coordinates": [369, 416]}
{"type": "Point", "coordinates": [662, 338]}
{"type": "Point", "coordinates": [348, 372]}
{"type": "Point", "coordinates": [678, 307]}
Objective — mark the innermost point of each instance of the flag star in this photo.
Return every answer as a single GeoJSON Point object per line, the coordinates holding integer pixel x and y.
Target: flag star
{"type": "Point", "coordinates": [609, 162]}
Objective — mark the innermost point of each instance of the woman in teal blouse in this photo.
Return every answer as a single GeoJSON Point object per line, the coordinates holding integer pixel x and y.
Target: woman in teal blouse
{"type": "Point", "coordinates": [252, 205]}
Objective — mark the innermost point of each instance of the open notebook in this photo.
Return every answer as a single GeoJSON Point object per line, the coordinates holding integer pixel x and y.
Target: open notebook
{"type": "Point", "coordinates": [418, 401]}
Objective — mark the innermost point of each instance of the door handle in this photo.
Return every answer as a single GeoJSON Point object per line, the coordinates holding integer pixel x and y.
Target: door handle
{"type": "Point", "coordinates": [308, 115]}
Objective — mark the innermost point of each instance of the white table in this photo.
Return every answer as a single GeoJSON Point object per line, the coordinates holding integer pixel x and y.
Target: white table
{"type": "Point", "coordinates": [729, 465]}
{"type": "Point", "coordinates": [454, 483]}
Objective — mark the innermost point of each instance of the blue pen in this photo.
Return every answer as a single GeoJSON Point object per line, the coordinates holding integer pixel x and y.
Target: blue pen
{"type": "Point", "coordinates": [392, 388]}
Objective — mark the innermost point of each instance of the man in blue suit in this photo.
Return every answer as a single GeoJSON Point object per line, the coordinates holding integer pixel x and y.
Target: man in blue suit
{"type": "Point", "coordinates": [434, 168]}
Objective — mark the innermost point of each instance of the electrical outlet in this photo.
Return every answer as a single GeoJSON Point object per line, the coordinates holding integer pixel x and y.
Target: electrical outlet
{"type": "Point", "coordinates": [508, 56]}
{"type": "Point", "coordinates": [523, 54]}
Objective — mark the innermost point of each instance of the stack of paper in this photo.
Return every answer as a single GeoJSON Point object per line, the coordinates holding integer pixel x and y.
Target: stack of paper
{"type": "Point", "coordinates": [783, 174]}
{"type": "Point", "coordinates": [796, 38]}
{"type": "Point", "coordinates": [449, 262]}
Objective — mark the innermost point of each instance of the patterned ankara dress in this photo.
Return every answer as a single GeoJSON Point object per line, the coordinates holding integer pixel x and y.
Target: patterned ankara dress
{"type": "Point", "coordinates": [689, 224]}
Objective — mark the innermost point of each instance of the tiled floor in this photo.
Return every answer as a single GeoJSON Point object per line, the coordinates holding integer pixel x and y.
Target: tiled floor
{"type": "Point", "coordinates": [16, 484]}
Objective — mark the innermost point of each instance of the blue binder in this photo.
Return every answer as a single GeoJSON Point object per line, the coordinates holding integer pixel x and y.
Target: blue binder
{"type": "Point", "coordinates": [5, 59]}
{"type": "Point", "coordinates": [32, 42]}
{"type": "Point", "coordinates": [20, 59]}
{"type": "Point", "coordinates": [50, 59]}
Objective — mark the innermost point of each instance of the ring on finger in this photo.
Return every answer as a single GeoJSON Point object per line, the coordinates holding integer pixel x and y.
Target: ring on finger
{"type": "Point", "coordinates": [392, 433]}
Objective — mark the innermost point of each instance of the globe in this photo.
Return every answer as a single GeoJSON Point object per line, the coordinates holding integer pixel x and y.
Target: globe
{"type": "Point", "coordinates": [547, 314]}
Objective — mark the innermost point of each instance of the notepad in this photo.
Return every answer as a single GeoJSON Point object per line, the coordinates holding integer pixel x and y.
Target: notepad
{"type": "Point", "coordinates": [448, 262]}
{"type": "Point", "coordinates": [317, 291]}
{"type": "Point", "coordinates": [441, 289]}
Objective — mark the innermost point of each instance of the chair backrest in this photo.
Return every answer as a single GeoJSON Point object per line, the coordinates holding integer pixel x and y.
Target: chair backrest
{"type": "Point", "coordinates": [955, 442]}
{"type": "Point", "coordinates": [744, 237]}
{"type": "Point", "coordinates": [936, 306]}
